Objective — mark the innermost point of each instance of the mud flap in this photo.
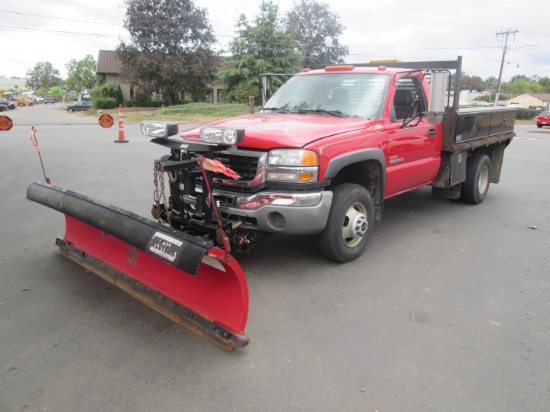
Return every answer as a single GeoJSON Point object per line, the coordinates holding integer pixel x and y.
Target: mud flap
{"type": "Point", "coordinates": [183, 277]}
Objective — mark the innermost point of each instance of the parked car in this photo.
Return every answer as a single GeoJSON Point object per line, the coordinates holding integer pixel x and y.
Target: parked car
{"type": "Point", "coordinates": [49, 99]}
{"type": "Point", "coordinates": [78, 106]}
{"type": "Point", "coordinates": [543, 119]}
{"type": "Point", "coordinates": [6, 102]}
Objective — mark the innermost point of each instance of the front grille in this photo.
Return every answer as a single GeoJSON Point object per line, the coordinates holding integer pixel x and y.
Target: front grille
{"type": "Point", "coordinates": [245, 166]}
{"type": "Point", "coordinates": [248, 164]}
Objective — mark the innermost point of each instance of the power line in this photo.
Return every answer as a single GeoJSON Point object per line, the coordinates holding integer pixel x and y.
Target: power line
{"type": "Point", "coordinates": [59, 18]}
{"type": "Point", "coordinates": [72, 33]}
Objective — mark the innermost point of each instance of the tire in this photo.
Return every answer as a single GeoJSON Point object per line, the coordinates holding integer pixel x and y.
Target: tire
{"type": "Point", "coordinates": [341, 240]}
{"type": "Point", "coordinates": [478, 179]}
{"type": "Point", "coordinates": [71, 110]}
{"type": "Point", "coordinates": [539, 125]}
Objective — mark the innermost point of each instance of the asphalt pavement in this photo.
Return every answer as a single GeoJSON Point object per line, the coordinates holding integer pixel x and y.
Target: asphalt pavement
{"type": "Point", "coordinates": [447, 310]}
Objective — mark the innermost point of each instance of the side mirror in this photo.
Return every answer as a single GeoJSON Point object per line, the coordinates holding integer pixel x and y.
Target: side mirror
{"type": "Point", "coordinates": [438, 96]}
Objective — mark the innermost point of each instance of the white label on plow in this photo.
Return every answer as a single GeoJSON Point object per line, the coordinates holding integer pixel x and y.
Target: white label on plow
{"type": "Point", "coordinates": [165, 246]}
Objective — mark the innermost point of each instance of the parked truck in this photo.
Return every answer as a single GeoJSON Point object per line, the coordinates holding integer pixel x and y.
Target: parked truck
{"type": "Point", "coordinates": [19, 98]}
{"type": "Point", "coordinates": [332, 145]}
{"type": "Point", "coordinates": [320, 158]}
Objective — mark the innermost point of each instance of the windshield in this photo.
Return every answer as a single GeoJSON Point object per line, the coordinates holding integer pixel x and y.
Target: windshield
{"type": "Point", "coordinates": [335, 94]}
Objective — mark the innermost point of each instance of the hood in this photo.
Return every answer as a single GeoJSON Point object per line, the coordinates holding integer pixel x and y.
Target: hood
{"type": "Point", "coordinates": [267, 131]}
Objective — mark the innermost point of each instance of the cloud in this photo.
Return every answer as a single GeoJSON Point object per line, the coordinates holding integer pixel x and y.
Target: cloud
{"type": "Point", "coordinates": [58, 31]}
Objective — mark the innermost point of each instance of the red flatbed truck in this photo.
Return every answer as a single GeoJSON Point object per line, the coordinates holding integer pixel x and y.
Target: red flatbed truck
{"type": "Point", "coordinates": [331, 145]}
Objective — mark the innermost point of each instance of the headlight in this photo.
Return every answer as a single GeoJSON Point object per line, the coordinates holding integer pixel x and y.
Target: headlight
{"type": "Point", "coordinates": [292, 165]}
{"type": "Point", "coordinates": [221, 135]}
{"type": "Point", "coordinates": [292, 157]}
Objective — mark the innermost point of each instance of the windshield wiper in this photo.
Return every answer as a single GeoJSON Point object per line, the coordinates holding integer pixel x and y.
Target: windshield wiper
{"type": "Point", "coordinates": [336, 113]}
{"type": "Point", "coordinates": [276, 109]}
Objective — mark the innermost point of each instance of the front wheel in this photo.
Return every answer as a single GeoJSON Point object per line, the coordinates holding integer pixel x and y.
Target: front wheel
{"type": "Point", "coordinates": [71, 110]}
{"type": "Point", "coordinates": [478, 178]}
{"type": "Point", "coordinates": [349, 225]}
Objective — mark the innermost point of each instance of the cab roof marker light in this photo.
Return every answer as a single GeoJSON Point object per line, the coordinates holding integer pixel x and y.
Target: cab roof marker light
{"type": "Point", "coordinates": [339, 68]}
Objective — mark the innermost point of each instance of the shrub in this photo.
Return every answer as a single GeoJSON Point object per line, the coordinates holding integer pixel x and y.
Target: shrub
{"type": "Point", "coordinates": [111, 90]}
{"type": "Point", "coordinates": [145, 101]}
{"type": "Point", "coordinates": [105, 103]}
{"type": "Point", "coordinates": [525, 114]}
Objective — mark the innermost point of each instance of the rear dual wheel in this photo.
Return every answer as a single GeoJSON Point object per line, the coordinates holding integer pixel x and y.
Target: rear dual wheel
{"type": "Point", "coordinates": [478, 178]}
{"type": "Point", "coordinates": [349, 225]}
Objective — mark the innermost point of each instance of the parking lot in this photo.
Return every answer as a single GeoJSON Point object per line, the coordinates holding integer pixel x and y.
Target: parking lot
{"type": "Point", "coordinates": [447, 310]}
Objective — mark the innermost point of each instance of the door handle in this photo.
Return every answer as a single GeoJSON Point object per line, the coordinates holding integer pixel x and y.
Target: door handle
{"type": "Point", "coordinates": [431, 132]}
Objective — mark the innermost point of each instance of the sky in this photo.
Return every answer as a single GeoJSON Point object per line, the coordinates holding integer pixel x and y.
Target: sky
{"type": "Point", "coordinates": [57, 31]}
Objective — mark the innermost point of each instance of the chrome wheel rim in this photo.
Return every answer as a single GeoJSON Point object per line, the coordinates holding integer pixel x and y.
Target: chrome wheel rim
{"type": "Point", "coordinates": [355, 224]}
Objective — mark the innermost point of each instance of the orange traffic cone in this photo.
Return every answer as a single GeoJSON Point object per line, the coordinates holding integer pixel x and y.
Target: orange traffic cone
{"type": "Point", "coordinates": [121, 138]}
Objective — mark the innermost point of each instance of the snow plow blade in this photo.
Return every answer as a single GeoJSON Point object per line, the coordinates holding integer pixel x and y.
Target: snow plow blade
{"type": "Point", "coordinates": [183, 277]}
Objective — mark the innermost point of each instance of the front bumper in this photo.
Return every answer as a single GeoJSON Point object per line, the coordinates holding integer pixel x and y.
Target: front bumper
{"type": "Point", "coordinates": [276, 212]}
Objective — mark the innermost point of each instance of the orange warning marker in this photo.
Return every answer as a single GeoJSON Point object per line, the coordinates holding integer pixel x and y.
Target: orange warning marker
{"type": "Point", "coordinates": [121, 138]}
{"type": "Point", "coordinates": [5, 123]}
{"type": "Point", "coordinates": [106, 121]}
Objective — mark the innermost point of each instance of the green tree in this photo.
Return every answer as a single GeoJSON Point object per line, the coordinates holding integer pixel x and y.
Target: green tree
{"type": "Point", "coordinates": [521, 77]}
{"type": "Point", "coordinates": [263, 46]}
{"type": "Point", "coordinates": [464, 82]}
{"type": "Point", "coordinates": [477, 84]}
{"type": "Point", "coordinates": [170, 50]}
{"type": "Point", "coordinates": [521, 84]}
{"type": "Point", "coordinates": [313, 23]}
{"type": "Point", "coordinates": [491, 83]}
{"type": "Point", "coordinates": [545, 83]}
{"type": "Point", "coordinates": [81, 74]}
{"type": "Point", "coordinates": [43, 77]}
{"type": "Point", "coordinates": [473, 83]}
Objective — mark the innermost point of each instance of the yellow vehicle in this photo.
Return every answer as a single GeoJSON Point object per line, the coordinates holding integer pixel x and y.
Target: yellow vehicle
{"type": "Point", "coordinates": [18, 98]}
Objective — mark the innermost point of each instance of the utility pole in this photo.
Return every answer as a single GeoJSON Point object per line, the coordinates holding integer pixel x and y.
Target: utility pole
{"type": "Point", "coordinates": [504, 50]}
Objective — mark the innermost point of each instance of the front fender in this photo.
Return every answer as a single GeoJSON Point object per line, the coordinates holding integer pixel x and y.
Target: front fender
{"type": "Point", "coordinates": [366, 167]}
{"type": "Point", "coordinates": [338, 163]}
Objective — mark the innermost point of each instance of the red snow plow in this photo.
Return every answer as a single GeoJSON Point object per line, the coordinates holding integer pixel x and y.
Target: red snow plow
{"type": "Point", "coordinates": [179, 265]}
